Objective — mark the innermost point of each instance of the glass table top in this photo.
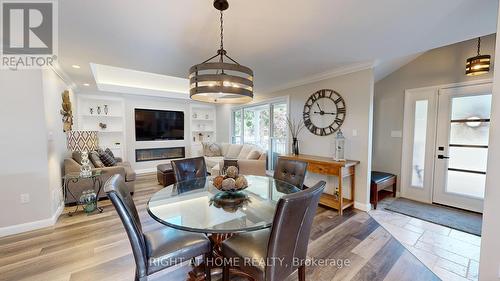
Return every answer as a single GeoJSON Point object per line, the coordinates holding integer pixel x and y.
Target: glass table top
{"type": "Point", "coordinates": [197, 206]}
{"type": "Point", "coordinates": [76, 175]}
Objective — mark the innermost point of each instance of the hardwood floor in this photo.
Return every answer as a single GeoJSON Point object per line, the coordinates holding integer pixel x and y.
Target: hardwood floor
{"type": "Point", "coordinates": [96, 247]}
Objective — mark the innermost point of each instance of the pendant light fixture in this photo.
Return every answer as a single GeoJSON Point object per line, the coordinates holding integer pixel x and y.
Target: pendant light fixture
{"type": "Point", "coordinates": [221, 79]}
{"type": "Point", "coordinates": [479, 64]}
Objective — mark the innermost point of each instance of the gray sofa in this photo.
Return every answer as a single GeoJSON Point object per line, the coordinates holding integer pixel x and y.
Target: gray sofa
{"type": "Point", "coordinates": [122, 168]}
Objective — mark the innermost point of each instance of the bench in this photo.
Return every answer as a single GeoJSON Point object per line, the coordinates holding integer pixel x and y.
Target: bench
{"type": "Point", "coordinates": [380, 181]}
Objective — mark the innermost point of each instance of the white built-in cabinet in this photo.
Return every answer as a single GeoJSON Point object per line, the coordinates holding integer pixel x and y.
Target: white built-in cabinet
{"type": "Point", "coordinates": [203, 126]}
{"type": "Point", "coordinates": [106, 115]}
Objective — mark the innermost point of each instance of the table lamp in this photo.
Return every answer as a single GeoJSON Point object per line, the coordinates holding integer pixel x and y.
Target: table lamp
{"type": "Point", "coordinates": [83, 142]}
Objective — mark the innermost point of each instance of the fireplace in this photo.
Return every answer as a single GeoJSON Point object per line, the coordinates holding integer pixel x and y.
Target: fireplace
{"type": "Point", "coordinates": [154, 154]}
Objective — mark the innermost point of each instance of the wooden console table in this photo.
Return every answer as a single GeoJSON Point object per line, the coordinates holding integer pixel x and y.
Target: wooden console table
{"type": "Point", "coordinates": [330, 167]}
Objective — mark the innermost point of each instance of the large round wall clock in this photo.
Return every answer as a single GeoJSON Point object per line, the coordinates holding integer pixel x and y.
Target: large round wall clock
{"type": "Point", "coordinates": [324, 112]}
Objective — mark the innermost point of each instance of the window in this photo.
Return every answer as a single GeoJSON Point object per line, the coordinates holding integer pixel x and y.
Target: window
{"type": "Point", "coordinates": [263, 125]}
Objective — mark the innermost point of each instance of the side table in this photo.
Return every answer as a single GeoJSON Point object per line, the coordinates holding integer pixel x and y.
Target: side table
{"type": "Point", "coordinates": [74, 178]}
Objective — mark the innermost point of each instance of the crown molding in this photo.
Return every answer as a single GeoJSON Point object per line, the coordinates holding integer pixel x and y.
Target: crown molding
{"type": "Point", "coordinates": [339, 71]}
{"type": "Point", "coordinates": [57, 69]}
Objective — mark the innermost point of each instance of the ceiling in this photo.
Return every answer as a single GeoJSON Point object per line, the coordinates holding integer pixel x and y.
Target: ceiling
{"type": "Point", "coordinates": [283, 41]}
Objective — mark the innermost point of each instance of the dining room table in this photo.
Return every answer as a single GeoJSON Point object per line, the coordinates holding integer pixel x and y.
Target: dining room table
{"type": "Point", "coordinates": [198, 206]}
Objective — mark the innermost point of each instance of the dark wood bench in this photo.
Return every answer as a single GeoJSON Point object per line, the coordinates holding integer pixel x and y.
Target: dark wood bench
{"type": "Point", "coordinates": [165, 174]}
{"type": "Point", "coordinates": [380, 181]}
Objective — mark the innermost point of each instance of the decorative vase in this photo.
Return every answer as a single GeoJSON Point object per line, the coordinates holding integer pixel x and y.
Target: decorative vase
{"type": "Point", "coordinates": [89, 201]}
{"type": "Point", "coordinates": [106, 109]}
{"type": "Point", "coordinates": [295, 146]}
{"type": "Point", "coordinates": [98, 110]}
{"type": "Point", "coordinates": [91, 111]}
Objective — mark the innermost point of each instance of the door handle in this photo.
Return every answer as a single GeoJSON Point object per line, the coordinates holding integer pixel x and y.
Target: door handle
{"type": "Point", "coordinates": [443, 157]}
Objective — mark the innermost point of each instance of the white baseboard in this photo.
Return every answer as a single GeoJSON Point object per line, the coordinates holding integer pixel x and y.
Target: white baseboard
{"type": "Point", "coordinates": [24, 227]}
{"type": "Point", "coordinates": [145, 171]}
{"type": "Point", "coordinates": [362, 206]}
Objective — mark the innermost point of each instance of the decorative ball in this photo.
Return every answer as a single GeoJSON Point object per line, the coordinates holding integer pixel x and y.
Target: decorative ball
{"type": "Point", "coordinates": [228, 184]}
{"type": "Point", "coordinates": [241, 182]}
{"type": "Point", "coordinates": [232, 172]}
{"type": "Point", "coordinates": [218, 181]}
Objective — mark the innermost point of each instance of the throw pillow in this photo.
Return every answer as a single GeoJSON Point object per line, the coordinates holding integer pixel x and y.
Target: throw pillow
{"type": "Point", "coordinates": [96, 160]}
{"type": "Point", "coordinates": [211, 149]}
{"type": "Point", "coordinates": [108, 151]}
{"type": "Point", "coordinates": [106, 159]}
{"type": "Point", "coordinates": [254, 155]}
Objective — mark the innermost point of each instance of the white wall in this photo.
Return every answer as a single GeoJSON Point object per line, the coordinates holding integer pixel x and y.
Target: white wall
{"type": "Point", "coordinates": [357, 90]}
{"type": "Point", "coordinates": [57, 149]}
{"type": "Point", "coordinates": [223, 119]}
{"type": "Point", "coordinates": [440, 66]}
{"type": "Point", "coordinates": [489, 266]}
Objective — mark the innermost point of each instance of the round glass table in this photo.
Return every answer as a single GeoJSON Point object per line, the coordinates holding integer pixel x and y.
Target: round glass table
{"type": "Point", "coordinates": [197, 206]}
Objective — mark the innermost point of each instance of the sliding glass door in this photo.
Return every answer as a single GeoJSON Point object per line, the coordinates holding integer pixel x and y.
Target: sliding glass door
{"type": "Point", "coordinates": [262, 125]}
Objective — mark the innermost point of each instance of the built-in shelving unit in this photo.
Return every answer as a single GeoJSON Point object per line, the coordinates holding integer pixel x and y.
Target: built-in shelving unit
{"type": "Point", "coordinates": [109, 111]}
{"type": "Point", "coordinates": [203, 125]}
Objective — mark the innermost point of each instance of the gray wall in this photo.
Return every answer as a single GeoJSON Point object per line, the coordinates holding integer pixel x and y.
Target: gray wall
{"type": "Point", "coordinates": [440, 66]}
{"type": "Point", "coordinates": [357, 90]}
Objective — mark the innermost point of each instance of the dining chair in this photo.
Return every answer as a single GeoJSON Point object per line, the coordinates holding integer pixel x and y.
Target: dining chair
{"type": "Point", "coordinates": [190, 168]}
{"type": "Point", "coordinates": [291, 171]}
{"type": "Point", "coordinates": [279, 251]}
{"type": "Point", "coordinates": [158, 249]}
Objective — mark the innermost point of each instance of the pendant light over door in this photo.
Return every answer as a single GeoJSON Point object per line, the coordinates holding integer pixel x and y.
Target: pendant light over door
{"type": "Point", "coordinates": [479, 64]}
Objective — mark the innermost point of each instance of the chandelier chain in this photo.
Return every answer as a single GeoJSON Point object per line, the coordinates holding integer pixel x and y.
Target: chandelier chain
{"type": "Point", "coordinates": [221, 31]}
{"type": "Point", "coordinates": [478, 45]}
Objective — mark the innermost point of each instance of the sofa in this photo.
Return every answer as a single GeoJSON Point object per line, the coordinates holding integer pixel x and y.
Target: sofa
{"type": "Point", "coordinates": [122, 168]}
{"type": "Point", "coordinates": [251, 159]}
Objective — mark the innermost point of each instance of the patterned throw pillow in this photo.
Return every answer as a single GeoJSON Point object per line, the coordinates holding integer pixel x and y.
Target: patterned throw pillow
{"type": "Point", "coordinates": [211, 149]}
{"type": "Point", "coordinates": [96, 160]}
{"type": "Point", "coordinates": [106, 159]}
{"type": "Point", "coordinates": [108, 151]}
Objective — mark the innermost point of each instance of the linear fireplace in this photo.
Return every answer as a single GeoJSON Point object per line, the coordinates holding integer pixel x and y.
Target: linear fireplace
{"type": "Point", "coordinates": [154, 154]}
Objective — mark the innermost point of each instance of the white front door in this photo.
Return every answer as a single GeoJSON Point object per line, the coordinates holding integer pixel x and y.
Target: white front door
{"type": "Point", "coordinates": [418, 144]}
{"type": "Point", "coordinates": [461, 149]}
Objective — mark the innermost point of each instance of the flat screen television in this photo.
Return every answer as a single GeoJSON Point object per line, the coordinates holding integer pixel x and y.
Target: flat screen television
{"type": "Point", "coordinates": [151, 125]}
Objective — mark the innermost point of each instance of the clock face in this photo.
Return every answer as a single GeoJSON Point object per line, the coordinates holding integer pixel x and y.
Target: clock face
{"type": "Point", "coordinates": [324, 112]}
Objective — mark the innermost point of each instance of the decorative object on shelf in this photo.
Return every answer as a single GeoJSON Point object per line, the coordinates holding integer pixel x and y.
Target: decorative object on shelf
{"type": "Point", "coordinates": [295, 146]}
{"type": "Point", "coordinates": [295, 128]}
{"type": "Point", "coordinates": [220, 81]}
{"type": "Point", "coordinates": [206, 116]}
{"type": "Point", "coordinates": [99, 110]}
{"type": "Point", "coordinates": [106, 109]}
{"type": "Point", "coordinates": [66, 112]}
{"type": "Point", "coordinates": [200, 137]}
{"type": "Point", "coordinates": [479, 64]}
{"type": "Point", "coordinates": [83, 142]}
{"type": "Point", "coordinates": [89, 201]}
{"type": "Point", "coordinates": [103, 126]}
{"type": "Point", "coordinates": [324, 107]}
{"type": "Point", "coordinates": [195, 116]}
{"type": "Point", "coordinates": [91, 110]}
{"type": "Point", "coordinates": [339, 147]}
{"type": "Point", "coordinates": [231, 182]}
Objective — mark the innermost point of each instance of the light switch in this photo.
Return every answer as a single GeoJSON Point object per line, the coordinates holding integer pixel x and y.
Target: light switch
{"type": "Point", "coordinates": [396, 134]}
{"type": "Point", "coordinates": [354, 133]}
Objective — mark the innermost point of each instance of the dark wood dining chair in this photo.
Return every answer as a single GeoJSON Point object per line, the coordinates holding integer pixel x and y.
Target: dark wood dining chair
{"type": "Point", "coordinates": [291, 171]}
{"type": "Point", "coordinates": [158, 249]}
{"type": "Point", "coordinates": [189, 168]}
{"type": "Point", "coordinates": [285, 243]}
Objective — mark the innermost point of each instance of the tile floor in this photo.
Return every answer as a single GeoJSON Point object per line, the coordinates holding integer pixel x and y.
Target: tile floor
{"type": "Point", "coordinates": [450, 254]}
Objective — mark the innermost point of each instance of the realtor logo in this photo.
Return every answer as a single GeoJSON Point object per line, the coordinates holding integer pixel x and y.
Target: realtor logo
{"type": "Point", "coordinates": [28, 34]}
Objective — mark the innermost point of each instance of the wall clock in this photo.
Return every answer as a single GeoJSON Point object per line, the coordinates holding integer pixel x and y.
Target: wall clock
{"type": "Point", "coordinates": [324, 112]}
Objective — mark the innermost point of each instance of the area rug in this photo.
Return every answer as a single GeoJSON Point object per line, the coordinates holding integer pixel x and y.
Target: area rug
{"type": "Point", "coordinates": [465, 221]}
